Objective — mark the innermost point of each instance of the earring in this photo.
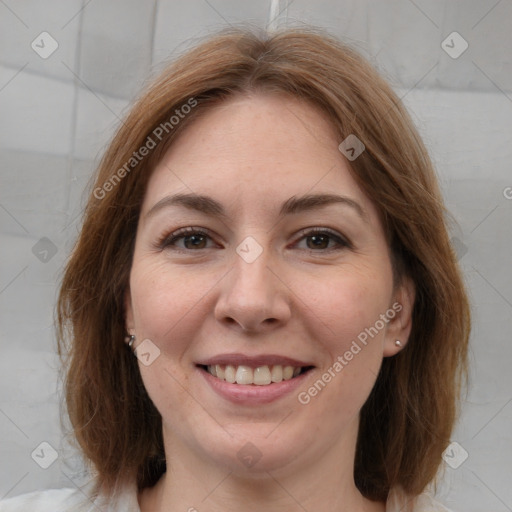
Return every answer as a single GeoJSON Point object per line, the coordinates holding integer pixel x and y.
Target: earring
{"type": "Point", "coordinates": [130, 339]}
{"type": "Point", "coordinates": [398, 343]}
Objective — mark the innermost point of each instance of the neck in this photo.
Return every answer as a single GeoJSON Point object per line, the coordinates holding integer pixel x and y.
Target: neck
{"type": "Point", "coordinates": [195, 483]}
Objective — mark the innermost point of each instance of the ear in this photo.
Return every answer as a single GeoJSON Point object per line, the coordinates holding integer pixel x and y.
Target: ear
{"type": "Point", "coordinates": [399, 327]}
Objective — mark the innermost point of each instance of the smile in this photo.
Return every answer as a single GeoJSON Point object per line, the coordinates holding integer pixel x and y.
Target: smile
{"type": "Point", "coordinates": [253, 379]}
{"type": "Point", "coordinates": [260, 376]}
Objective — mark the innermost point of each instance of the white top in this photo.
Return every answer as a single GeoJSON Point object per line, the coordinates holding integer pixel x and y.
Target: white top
{"type": "Point", "coordinates": [76, 500]}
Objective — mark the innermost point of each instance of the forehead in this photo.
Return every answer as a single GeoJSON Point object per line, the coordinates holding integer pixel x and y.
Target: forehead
{"type": "Point", "coordinates": [256, 148]}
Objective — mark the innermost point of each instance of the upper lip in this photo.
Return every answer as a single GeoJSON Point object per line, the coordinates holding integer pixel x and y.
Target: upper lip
{"type": "Point", "coordinates": [252, 361]}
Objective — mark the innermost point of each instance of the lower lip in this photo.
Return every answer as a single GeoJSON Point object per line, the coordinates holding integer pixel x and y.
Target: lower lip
{"type": "Point", "coordinates": [253, 394]}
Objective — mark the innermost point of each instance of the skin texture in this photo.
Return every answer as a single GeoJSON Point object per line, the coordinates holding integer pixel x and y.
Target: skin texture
{"type": "Point", "coordinates": [251, 154]}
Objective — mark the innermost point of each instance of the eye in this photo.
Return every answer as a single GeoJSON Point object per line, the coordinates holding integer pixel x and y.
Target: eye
{"type": "Point", "coordinates": [187, 239]}
{"type": "Point", "coordinates": [194, 239]}
{"type": "Point", "coordinates": [322, 239]}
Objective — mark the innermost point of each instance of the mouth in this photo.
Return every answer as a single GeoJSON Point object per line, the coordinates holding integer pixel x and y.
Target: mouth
{"type": "Point", "coordinates": [253, 380]}
{"type": "Point", "coordinates": [251, 375]}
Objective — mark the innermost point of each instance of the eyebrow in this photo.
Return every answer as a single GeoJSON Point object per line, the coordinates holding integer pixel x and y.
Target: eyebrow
{"type": "Point", "coordinates": [316, 201]}
{"type": "Point", "coordinates": [294, 205]}
{"type": "Point", "coordinates": [195, 202]}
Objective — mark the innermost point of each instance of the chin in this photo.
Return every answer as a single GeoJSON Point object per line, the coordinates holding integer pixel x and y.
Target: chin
{"type": "Point", "coordinates": [256, 448]}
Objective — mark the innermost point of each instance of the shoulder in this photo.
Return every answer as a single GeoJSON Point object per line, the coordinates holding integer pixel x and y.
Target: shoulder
{"type": "Point", "coordinates": [41, 501]}
{"type": "Point", "coordinates": [400, 502]}
{"type": "Point", "coordinates": [73, 500]}
{"type": "Point", "coordinates": [425, 503]}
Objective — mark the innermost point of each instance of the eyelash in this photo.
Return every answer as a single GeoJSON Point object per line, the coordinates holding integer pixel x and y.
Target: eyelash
{"type": "Point", "coordinates": [171, 239]}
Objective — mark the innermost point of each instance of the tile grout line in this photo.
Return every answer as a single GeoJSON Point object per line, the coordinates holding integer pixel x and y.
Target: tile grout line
{"type": "Point", "coordinates": [74, 110]}
{"type": "Point", "coordinates": [153, 33]}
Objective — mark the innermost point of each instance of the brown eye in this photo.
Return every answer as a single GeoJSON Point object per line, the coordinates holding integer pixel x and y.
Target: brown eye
{"type": "Point", "coordinates": [322, 239]}
{"type": "Point", "coordinates": [318, 241]}
{"type": "Point", "coordinates": [187, 239]}
{"type": "Point", "coordinates": [195, 241]}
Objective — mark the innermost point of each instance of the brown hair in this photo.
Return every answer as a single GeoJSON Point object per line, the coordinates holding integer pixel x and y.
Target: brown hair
{"type": "Point", "coordinates": [406, 422]}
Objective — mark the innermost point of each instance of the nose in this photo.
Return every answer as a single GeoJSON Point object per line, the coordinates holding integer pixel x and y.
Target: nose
{"type": "Point", "coordinates": [253, 298]}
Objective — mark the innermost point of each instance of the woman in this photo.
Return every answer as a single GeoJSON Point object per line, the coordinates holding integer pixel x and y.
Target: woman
{"type": "Point", "coordinates": [266, 235]}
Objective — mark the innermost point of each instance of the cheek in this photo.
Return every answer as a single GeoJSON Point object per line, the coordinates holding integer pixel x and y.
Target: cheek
{"type": "Point", "coordinates": [165, 302]}
{"type": "Point", "coordinates": [166, 306]}
{"type": "Point", "coordinates": [345, 306]}
{"type": "Point", "coordinates": [344, 316]}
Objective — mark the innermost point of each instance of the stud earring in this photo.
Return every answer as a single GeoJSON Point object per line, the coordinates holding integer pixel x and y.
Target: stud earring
{"type": "Point", "coordinates": [130, 339]}
{"type": "Point", "coordinates": [398, 343]}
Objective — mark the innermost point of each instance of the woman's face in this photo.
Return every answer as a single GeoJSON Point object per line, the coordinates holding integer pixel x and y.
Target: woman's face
{"type": "Point", "coordinates": [258, 257]}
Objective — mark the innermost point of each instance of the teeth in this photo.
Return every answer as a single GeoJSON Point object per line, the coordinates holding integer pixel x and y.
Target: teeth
{"type": "Point", "coordinates": [229, 373]}
{"type": "Point", "coordinates": [277, 373]}
{"type": "Point", "coordinates": [244, 375]}
{"type": "Point", "coordinates": [260, 376]}
{"type": "Point", "coordinates": [287, 372]}
{"type": "Point", "coordinates": [219, 371]}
